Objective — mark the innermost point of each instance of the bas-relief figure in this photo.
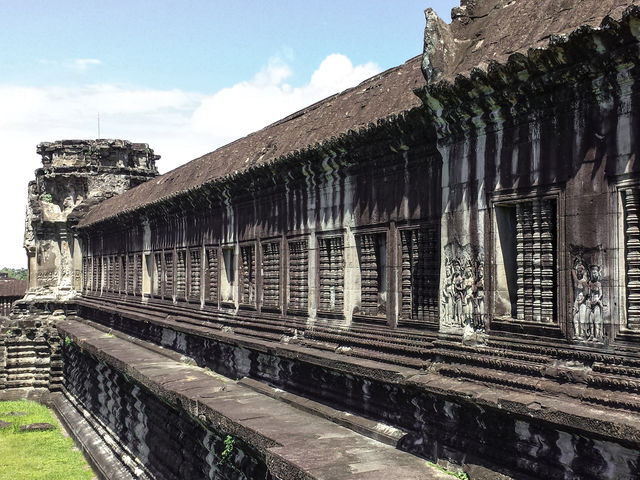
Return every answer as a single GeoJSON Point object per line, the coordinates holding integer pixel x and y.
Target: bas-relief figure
{"type": "Point", "coordinates": [462, 293]}
{"type": "Point", "coordinates": [588, 305]}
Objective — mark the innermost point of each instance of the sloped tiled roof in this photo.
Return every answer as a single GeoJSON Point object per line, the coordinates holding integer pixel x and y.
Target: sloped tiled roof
{"type": "Point", "coordinates": [482, 31]}
{"type": "Point", "coordinates": [388, 93]}
{"type": "Point", "coordinates": [10, 287]}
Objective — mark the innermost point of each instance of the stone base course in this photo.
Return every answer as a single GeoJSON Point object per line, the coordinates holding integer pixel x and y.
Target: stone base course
{"type": "Point", "coordinates": [293, 443]}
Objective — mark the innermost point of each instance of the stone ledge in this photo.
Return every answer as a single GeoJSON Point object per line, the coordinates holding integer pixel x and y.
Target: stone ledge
{"type": "Point", "coordinates": [556, 403]}
{"type": "Point", "coordinates": [295, 444]}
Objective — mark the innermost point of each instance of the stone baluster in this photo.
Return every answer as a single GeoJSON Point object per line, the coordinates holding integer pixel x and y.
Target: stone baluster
{"type": "Point", "coordinates": [632, 256]}
{"type": "Point", "coordinates": [520, 262]}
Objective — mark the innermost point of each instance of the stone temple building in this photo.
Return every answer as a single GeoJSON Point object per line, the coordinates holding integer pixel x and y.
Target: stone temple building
{"type": "Point", "coordinates": [11, 290]}
{"type": "Point", "coordinates": [441, 263]}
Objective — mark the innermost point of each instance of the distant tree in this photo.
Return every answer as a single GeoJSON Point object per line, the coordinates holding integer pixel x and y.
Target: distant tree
{"type": "Point", "coordinates": [17, 273]}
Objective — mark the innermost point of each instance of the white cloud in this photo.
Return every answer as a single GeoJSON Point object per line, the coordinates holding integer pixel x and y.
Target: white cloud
{"type": "Point", "coordinates": [178, 125]}
{"type": "Point", "coordinates": [82, 64]}
{"type": "Point", "coordinates": [248, 106]}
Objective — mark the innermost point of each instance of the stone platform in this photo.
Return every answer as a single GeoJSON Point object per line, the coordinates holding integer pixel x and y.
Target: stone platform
{"type": "Point", "coordinates": [531, 426]}
{"type": "Point", "coordinates": [292, 443]}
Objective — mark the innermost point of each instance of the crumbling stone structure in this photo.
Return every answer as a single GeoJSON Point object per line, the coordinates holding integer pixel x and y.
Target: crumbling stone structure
{"type": "Point", "coordinates": [443, 259]}
{"type": "Point", "coordinates": [75, 175]}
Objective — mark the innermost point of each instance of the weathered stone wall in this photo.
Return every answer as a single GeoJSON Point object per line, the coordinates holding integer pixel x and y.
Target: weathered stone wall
{"type": "Point", "coordinates": [30, 353]}
{"type": "Point", "coordinates": [538, 162]}
{"type": "Point", "coordinates": [385, 187]}
{"type": "Point", "coordinates": [160, 441]}
{"type": "Point", "coordinates": [507, 204]}
{"type": "Point", "coordinates": [75, 175]}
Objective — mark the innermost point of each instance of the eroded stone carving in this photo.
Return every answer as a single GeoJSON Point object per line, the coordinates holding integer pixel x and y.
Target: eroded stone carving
{"type": "Point", "coordinates": [75, 175]}
{"type": "Point", "coordinates": [588, 305]}
{"type": "Point", "coordinates": [462, 294]}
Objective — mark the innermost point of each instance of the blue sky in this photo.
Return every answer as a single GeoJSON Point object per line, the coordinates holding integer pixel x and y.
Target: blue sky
{"type": "Point", "coordinates": [202, 45]}
{"type": "Point", "coordinates": [185, 77]}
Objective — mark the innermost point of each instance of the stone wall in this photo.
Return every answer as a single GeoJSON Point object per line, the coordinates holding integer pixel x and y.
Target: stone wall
{"type": "Point", "coordinates": [507, 204]}
{"type": "Point", "coordinates": [156, 439]}
{"type": "Point", "coordinates": [365, 225]}
{"type": "Point", "coordinates": [539, 186]}
{"type": "Point", "coordinates": [30, 354]}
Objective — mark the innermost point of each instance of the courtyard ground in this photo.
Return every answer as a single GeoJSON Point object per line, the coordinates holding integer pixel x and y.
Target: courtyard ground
{"type": "Point", "coordinates": [37, 455]}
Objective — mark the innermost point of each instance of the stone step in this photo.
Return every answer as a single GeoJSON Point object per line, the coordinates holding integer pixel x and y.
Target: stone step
{"type": "Point", "coordinates": [27, 373]}
{"type": "Point", "coordinates": [378, 431]}
{"type": "Point", "coordinates": [27, 354]}
{"type": "Point", "coordinates": [25, 383]}
{"type": "Point", "coordinates": [28, 351]}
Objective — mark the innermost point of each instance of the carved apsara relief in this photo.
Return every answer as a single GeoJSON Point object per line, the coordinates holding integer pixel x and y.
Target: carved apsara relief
{"type": "Point", "coordinates": [462, 295]}
{"type": "Point", "coordinates": [588, 302]}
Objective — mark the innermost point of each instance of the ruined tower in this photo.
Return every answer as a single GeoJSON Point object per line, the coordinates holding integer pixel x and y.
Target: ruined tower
{"type": "Point", "coordinates": [75, 175]}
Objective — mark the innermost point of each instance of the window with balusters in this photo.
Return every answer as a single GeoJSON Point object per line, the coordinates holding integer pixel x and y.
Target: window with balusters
{"type": "Point", "coordinates": [331, 273]}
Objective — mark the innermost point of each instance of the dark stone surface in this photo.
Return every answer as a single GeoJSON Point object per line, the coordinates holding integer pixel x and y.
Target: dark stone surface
{"type": "Point", "coordinates": [166, 441]}
{"type": "Point", "coordinates": [100, 449]}
{"type": "Point", "coordinates": [37, 427]}
{"type": "Point", "coordinates": [4, 424]}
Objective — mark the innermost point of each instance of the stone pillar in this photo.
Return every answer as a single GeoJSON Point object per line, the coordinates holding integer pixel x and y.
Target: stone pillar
{"type": "Point", "coordinates": [75, 176]}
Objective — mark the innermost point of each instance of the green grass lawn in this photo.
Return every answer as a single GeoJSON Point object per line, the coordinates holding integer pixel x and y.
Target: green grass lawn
{"type": "Point", "coordinates": [37, 455]}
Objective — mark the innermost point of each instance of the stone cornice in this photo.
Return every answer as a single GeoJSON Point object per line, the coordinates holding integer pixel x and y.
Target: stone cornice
{"type": "Point", "coordinates": [328, 159]}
